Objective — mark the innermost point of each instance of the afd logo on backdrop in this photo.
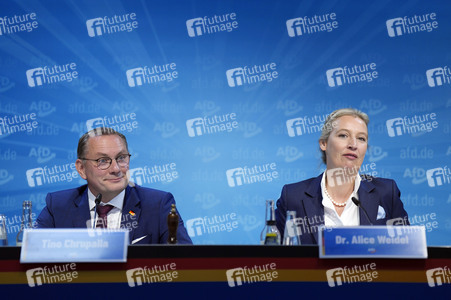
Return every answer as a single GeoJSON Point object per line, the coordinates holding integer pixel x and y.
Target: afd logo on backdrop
{"type": "Point", "coordinates": [5, 177]}
{"type": "Point", "coordinates": [411, 125]}
{"type": "Point", "coordinates": [6, 84]}
{"type": "Point", "coordinates": [409, 25]}
{"type": "Point", "coordinates": [210, 25]}
{"type": "Point", "coordinates": [350, 75]}
{"type": "Point", "coordinates": [42, 154]}
{"type": "Point", "coordinates": [245, 175]}
{"type": "Point", "coordinates": [310, 25]}
{"type": "Point", "coordinates": [51, 74]}
{"type": "Point", "coordinates": [438, 176]}
{"type": "Point", "coordinates": [211, 125]}
{"type": "Point", "coordinates": [251, 75]}
{"type": "Point", "coordinates": [110, 25]}
{"type": "Point", "coordinates": [154, 75]}
{"type": "Point", "coordinates": [305, 125]}
{"type": "Point", "coordinates": [122, 123]}
{"type": "Point", "coordinates": [18, 23]}
{"type": "Point", "coordinates": [438, 76]}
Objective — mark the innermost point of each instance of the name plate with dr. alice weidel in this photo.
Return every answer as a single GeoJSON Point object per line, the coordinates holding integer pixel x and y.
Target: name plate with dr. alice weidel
{"type": "Point", "coordinates": [74, 245]}
{"type": "Point", "coordinates": [372, 241]}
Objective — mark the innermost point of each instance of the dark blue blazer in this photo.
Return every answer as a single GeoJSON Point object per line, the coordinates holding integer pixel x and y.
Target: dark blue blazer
{"type": "Point", "coordinates": [306, 199]}
{"type": "Point", "coordinates": [70, 209]}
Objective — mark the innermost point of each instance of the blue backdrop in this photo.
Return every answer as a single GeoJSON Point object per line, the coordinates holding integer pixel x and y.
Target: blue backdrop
{"type": "Point", "coordinates": [222, 101]}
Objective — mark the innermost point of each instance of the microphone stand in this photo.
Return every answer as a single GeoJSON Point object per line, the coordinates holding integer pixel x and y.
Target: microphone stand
{"type": "Point", "coordinates": [359, 205]}
{"type": "Point", "coordinates": [97, 201]}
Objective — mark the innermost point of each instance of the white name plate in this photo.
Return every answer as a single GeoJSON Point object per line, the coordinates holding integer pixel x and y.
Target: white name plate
{"type": "Point", "coordinates": [372, 241]}
{"type": "Point", "coordinates": [74, 245]}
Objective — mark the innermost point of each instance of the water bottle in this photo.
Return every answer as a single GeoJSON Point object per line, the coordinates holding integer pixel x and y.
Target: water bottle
{"type": "Point", "coordinates": [270, 234]}
{"type": "Point", "coordinates": [26, 221]}
{"type": "Point", "coordinates": [291, 234]}
{"type": "Point", "coordinates": [3, 233]}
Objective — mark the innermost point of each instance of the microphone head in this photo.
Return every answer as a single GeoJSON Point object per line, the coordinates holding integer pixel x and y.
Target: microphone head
{"type": "Point", "coordinates": [356, 201]}
{"type": "Point", "coordinates": [98, 199]}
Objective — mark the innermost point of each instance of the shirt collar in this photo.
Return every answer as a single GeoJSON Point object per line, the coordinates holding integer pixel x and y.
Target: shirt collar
{"type": "Point", "coordinates": [354, 192]}
{"type": "Point", "coordinates": [117, 201]}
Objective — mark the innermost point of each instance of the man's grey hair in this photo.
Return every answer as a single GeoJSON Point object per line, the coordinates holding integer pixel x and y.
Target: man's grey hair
{"type": "Point", "coordinates": [83, 141]}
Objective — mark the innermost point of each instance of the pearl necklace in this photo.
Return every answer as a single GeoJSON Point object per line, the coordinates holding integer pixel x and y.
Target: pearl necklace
{"type": "Point", "coordinates": [334, 202]}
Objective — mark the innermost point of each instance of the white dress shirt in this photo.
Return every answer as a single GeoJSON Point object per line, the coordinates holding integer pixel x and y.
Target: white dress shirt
{"type": "Point", "coordinates": [114, 216]}
{"type": "Point", "coordinates": [350, 215]}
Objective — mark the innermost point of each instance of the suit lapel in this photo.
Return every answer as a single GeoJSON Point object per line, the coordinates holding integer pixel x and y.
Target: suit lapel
{"type": "Point", "coordinates": [130, 211]}
{"type": "Point", "coordinates": [369, 201]}
{"type": "Point", "coordinates": [313, 208]}
{"type": "Point", "coordinates": [81, 211]}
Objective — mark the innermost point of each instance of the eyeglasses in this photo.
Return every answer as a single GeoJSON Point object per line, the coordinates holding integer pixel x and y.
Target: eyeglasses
{"type": "Point", "coordinates": [104, 163]}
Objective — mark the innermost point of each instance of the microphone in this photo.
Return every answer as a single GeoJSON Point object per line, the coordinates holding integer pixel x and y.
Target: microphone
{"type": "Point", "coordinates": [97, 201]}
{"type": "Point", "coordinates": [357, 202]}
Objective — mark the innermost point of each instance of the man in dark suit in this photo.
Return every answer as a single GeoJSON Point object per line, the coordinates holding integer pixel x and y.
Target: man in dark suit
{"type": "Point", "coordinates": [331, 199]}
{"type": "Point", "coordinates": [103, 161]}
